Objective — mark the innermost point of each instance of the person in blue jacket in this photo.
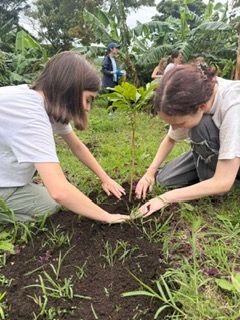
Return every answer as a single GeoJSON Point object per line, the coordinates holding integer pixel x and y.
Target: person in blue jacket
{"type": "Point", "coordinates": [109, 66]}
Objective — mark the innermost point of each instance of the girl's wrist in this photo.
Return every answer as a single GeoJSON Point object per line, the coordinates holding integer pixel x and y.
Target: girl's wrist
{"type": "Point", "coordinates": [152, 170]}
{"type": "Point", "coordinates": [103, 176]}
{"type": "Point", "coordinates": [164, 200]}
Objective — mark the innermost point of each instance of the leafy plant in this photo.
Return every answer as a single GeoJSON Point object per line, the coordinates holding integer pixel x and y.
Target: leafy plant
{"type": "Point", "coordinates": [3, 260]}
{"type": "Point", "coordinates": [81, 271]}
{"type": "Point", "coordinates": [155, 229]}
{"type": "Point", "coordinates": [232, 284]}
{"type": "Point", "coordinates": [57, 269]}
{"type": "Point", "coordinates": [49, 313]}
{"type": "Point", "coordinates": [57, 238]}
{"type": "Point", "coordinates": [26, 60]}
{"type": "Point", "coordinates": [2, 305]}
{"type": "Point", "coordinates": [6, 242]}
{"type": "Point", "coordinates": [55, 288]}
{"type": "Point", "coordinates": [120, 252]}
{"type": "Point", "coordinates": [4, 281]}
{"type": "Point", "coordinates": [11, 230]}
{"type": "Point", "coordinates": [128, 98]}
{"type": "Point", "coordinates": [163, 294]}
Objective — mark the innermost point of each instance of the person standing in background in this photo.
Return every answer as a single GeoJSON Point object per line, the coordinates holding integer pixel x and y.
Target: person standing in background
{"type": "Point", "coordinates": [175, 59]}
{"type": "Point", "coordinates": [159, 69]}
{"type": "Point", "coordinates": [109, 66]}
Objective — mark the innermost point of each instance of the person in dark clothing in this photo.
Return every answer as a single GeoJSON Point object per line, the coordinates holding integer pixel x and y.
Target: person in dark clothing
{"type": "Point", "coordinates": [109, 66]}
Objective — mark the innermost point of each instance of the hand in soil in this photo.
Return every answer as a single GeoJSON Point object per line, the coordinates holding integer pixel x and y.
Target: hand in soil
{"type": "Point", "coordinates": [110, 186]}
{"type": "Point", "coordinates": [151, 206]}
{"type": "Point", "coordinates": [118, 218]}
{"type": "Point", "coordinates": [144, 185]}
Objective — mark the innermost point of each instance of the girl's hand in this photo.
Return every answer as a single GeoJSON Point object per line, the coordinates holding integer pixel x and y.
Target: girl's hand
{"type": "Point", "coordinates": [110, 186]}
{"type": "Point", "coordinates": [151, 206]}
{"type": "Point", "coordinates": [144, 185]}
{"type": "Point", "coordinates": [118, 218]}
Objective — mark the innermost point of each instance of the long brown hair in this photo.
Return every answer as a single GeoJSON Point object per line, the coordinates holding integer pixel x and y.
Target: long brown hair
{"type": "Point", "coordinates": [63, 80]}
{"type": "Point", "coordinates": [162, 65]}
{"type": "Point", "coordinates": [175, 54]}
{"type": "Point", "coordinates": [183, 89]}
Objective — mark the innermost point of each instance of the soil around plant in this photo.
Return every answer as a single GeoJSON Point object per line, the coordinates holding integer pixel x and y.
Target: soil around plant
{"type": "Point", "coordinates": [102, 282]}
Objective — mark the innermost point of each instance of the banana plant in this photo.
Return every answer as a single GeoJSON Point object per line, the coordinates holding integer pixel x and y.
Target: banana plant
{"type": "Point", "coordinates": [28, 58]}
{"type": "Point", "coordinates": [211, 35]}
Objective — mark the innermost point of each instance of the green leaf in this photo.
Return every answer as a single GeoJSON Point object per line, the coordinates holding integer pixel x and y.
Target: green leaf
{"type": "Point", "coordinates": [6, 246]}
{"type": "Point", "coordinates": [225, 284]}
{"type": "Point", "coordinates": [187, 206]}
{"type": "Point", "coordinates": [159, 310]}
{"type": "Point", "coordinates": [236, 281]}
{"type": "Point", "coordinates": [129, 91]}
{"type": "Point", "coordinates": [137, 293]}
{"type": "Point", "coordinates": [25, 41]}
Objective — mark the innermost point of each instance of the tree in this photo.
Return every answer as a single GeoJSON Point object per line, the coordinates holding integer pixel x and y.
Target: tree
{"type": "Point", "coordinates": [61, 22]}
{"type": "Point", "coordinates": [167, 8]}
{"type": "Point", "coordinates": [9, 19]}
{"type": "Point", "coordinates": [9, 11]}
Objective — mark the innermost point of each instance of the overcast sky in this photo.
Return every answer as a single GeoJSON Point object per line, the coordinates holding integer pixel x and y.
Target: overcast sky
{"type": "Point", "coordinates": [142, 15]}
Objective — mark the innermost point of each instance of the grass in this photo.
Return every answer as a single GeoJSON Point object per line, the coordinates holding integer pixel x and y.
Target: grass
{"type": "Point", "coordinates": [200, 239]}
{"type": "Point", "coordinates": [121, 251]}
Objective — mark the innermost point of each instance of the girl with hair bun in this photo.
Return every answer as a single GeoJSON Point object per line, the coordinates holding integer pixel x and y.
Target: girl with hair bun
{"type": "Point", "coordinates": [205, 109]}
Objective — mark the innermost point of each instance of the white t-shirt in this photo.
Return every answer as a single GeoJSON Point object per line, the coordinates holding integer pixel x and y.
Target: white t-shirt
{"type": "Point", "coordinates": [26, 135]}
{"type": "Point", "coordinates": [226, 116]}
{"type": "Point", "coordinates": [169, 67]}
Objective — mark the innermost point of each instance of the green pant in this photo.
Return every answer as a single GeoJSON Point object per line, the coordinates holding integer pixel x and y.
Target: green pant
{"type": "Point", "coordinates": [29, 201]}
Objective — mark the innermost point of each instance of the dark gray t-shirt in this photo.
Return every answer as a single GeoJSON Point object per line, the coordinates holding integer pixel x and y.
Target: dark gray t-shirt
{"type": "Point", "coordinates": [226, 116]}
{"type": "Point", "coordinates": [26, 135]}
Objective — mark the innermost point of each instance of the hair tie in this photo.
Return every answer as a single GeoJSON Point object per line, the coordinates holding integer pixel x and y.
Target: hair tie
{"type": "Point", "coordinates": [200, 67]}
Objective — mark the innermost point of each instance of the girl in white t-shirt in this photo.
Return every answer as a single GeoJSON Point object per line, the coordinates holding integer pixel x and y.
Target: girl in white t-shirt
{"type": "Point", "coordinates": [197, 105]}
{"type": "Point", "coordinates": [29, 118]}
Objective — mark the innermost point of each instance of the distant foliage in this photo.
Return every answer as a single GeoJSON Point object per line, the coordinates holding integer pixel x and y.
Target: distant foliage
{"type": "Point", "coordinates": [4, 70]}
{"type": "Point", "coordinates": [23, 64]}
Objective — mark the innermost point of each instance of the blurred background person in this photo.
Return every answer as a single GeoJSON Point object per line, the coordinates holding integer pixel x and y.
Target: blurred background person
{"type": "Point", "coordinates": [174, 60]}
{"type": "Point", "coordinates": [109, 66]}
{"type": "Point", "coordinates": [159, 69]}
{"type": "Point", "coordinates": [199, 60]}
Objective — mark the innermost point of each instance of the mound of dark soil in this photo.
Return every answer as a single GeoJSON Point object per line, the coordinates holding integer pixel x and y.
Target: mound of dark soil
{"type": "Point", "coordinates": [88, 267]}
